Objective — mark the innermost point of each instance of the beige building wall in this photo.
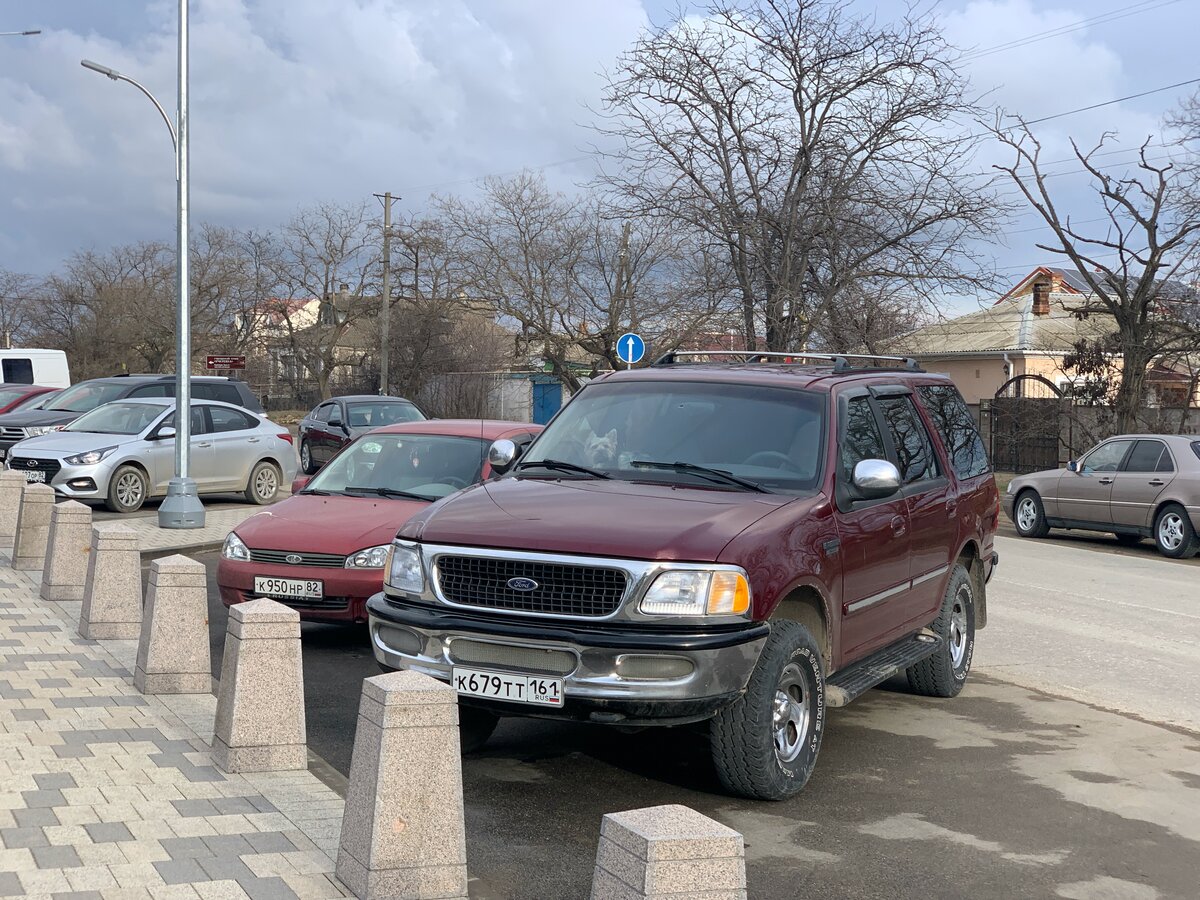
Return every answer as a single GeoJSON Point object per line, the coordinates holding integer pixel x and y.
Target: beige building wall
{"type": "Point", "coordinates": [976, 378]}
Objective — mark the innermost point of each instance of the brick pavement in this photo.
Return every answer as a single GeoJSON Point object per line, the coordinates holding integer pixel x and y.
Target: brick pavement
{"type": "Point", "coordinates": [217, 524]}
{"type": "Point", "coordinates": [105, 793]}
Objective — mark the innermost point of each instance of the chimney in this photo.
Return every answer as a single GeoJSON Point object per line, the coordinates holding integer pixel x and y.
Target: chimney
{"type": "Point", "coordinates": [1041, 298]}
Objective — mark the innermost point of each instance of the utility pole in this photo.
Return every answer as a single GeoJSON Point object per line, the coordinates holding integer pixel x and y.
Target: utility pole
{"type": "Point", "coordinates": [623, 279]}
{"type": "Point", "coordinates": [385, 319]}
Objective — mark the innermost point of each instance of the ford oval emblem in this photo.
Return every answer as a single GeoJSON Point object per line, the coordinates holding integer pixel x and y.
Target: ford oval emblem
{"type": "Point", "coordinates": [523, 584]}
{"type": "Point", "coordinates": [294, 558]}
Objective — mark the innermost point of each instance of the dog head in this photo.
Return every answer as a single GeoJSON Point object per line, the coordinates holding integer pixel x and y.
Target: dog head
{"type": "Point", "coordinates": [602, 450]}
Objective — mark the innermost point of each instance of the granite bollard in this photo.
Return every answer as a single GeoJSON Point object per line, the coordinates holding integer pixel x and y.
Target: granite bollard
{"type": "Point", "coordinates": [668, 851]}
{"type": "Point", "coordinates": [260, 706]}
{"type": "Point", "coordinates": [173, 655]}
{"type": "Point", "coordinates": [402, 830]}
{"type": "Point", "coordinates": [67, 549]}
{"type": "Point", "coordinates": [11, 484]}
{"type": "Point", "coordinates": [112, 594]}
{"type": "Point", "coordinates": [33, 527]}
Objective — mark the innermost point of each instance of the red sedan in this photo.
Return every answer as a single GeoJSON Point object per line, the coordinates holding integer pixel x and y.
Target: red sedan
{"type": "Point", "coordinates": [13, 396]}
{"type": "Point", "coordinates": [322, 551]}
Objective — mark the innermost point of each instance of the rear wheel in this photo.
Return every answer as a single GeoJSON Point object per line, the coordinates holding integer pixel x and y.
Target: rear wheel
{"type": "Point", "coordinates": [1173, 533]}
{"type": "Point", "coordinates": [127, 489]}
{"type": "Point", "coordinates": [944, 673]}
{"type": "Point", "coordinates": [307, 464]}
{"type": "Point", "coordinates": [1029, 516]}
{"type": "Point", "coordinates": [263, 486]}
{"type": "Point", "coordinates": [765, 745]}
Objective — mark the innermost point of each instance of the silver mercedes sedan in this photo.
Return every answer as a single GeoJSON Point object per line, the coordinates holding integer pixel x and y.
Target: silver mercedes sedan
{"type": "Point", "coordinates": [1132, 485]}
{"type": "Point", "coordinates": [123, 453]}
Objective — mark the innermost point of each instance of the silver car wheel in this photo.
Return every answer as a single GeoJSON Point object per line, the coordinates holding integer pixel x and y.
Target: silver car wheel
{"type": "Point", "coordinates": [266, 483]}
{"type": "Point", "coordinates": [1027, 514]}
{"type": "Point", "coordinates": [1170, 531]}
{"type": "Point", "coordinates": [129, 489]}
{"type": "Point", "coordinates": [789, 714]}
{"type": "Point", "coordinates": [958, 626]}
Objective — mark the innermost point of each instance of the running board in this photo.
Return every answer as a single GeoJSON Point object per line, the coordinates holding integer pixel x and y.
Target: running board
{"type": "Point", "coordinates": [855, 680]}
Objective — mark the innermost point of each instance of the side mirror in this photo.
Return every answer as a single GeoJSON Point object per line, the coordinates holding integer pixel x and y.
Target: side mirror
{"type": "Point", "coordinates": [165, 433]}
{"type": "Point", "coordinates": [875, 479]}
{"type": "Point", "coordinates": [502, 454]}
{"type": "Point", "coordinates": [335, 421]}
{"type": "Point", "coordinates": [299, 482]}
{"type": "Point", "coordinates": [1072, 466]}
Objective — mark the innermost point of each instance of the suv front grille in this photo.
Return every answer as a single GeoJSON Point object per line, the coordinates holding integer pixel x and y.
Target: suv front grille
{"type": "Point", "coordinates": [10, 433]}
{"type": "Point", "coordinates": [562, 590]}
{"type": "Point", "coordinates": [27, 464]}
{"type": "Point", "coordinates": [316, 560]}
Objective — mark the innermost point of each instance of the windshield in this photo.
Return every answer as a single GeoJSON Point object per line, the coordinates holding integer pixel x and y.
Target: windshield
{"type": "Point", "coordinates": [85, 396]}
{"type": "Point", "coordinates": [118, 418]}
{"type": "Point", "coordinates": [376, 413]}
{"type": "Point", "coordinates": [429, 466]}
{"type": "Point", "coordinates": [9, 394]}
{"type": "Point", "coordinates": [637, 431]}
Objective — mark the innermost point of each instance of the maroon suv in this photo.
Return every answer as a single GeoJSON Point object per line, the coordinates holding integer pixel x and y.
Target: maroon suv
{"type": "Point", "coordinates": [744, 542]}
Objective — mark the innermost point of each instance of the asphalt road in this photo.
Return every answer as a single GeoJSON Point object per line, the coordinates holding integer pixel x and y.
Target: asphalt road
{"type": "Point", "coordinates": [1002, 792]}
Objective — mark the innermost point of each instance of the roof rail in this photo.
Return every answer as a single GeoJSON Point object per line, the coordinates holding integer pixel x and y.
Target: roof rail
{"type": "Point", "coordinates": [842, 362]}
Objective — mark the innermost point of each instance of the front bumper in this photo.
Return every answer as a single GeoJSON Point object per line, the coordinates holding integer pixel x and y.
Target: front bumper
{"type": "Point", "coordinates": [1006, 502]}
{"type": "Point", "coordinates": [588, 659]}
{"type": "Point", "coordinates": [73, 482]}
{"type": "Point", "coordinates": [345, 595]}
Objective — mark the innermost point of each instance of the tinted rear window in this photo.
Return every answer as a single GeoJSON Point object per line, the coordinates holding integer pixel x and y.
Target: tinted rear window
{"type": "Point", "coordinates": [953, 422]}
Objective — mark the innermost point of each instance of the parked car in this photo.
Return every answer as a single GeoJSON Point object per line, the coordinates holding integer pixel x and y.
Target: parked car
{"type": "Point", "coordinates": [48, 367]}
{"type": "Point", "coordinates": [14, 396]}
{"type": "Point", "coordinates": [124, 453]}
{"type": "Point", "coordinates": [322, 550]}
{"type": "Point", "coordinates": [1134, 485]}
{"type": "Point", "coordinates": [335, 423]}
{"type": "Point", "coordinates": [73, 402]}
{"type": "Point", "coordinates": [739, 543]}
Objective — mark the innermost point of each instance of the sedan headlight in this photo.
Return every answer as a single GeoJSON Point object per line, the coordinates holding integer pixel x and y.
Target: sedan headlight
{"type": "Point", "coordinates": [90, 458]}
{"type": "Point", "coordinates": [697, 593]}
{"type": "Point", "coordinates": [235, 549]}
{"type": "Point", "coordinates": [1008, 488]}
{"type": "Point", "coordinates": [371, 558]}
{"type": "Point", "coordinates": [405, 572]}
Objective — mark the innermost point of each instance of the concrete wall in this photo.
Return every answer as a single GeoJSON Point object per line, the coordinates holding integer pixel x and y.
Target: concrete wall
{"type": "Point", "coordinates": [976, 379]}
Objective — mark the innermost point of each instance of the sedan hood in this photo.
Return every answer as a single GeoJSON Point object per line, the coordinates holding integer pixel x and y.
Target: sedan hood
{"type": "Point", "coordinates": [68, 443]}
{"type": "Point", "coordinates": [602, 518]}
{"type": "Point", "coordinates": [23, 418]}
{"type": "Point", "coordinates": [315, 524]}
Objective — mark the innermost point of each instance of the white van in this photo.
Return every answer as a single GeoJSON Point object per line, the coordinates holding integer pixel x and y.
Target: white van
{"type": "Point", "coordinates": [44, 367]}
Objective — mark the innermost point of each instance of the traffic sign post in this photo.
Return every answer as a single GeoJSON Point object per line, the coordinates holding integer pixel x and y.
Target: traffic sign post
{"type": "Point", "coordinates": [630, 348]}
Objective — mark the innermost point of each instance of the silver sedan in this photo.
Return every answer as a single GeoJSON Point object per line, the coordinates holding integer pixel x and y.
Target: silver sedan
{"type": "Point", "coordinates": [124, 453]}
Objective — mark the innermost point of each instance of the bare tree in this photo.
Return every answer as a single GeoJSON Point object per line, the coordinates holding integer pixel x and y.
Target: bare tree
{"type": "Point", "coordinates": [16, 307]}
{"type": "Point", "coordinates": [814, 147]}
{"type": "Point", "coordinates": [1131, 262]}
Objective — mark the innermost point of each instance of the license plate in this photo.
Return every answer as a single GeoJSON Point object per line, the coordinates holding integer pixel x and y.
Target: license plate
{"type": "Point", "coordinates": [294, 588]}
{"type": "Point", "coordinates": [34, 475]}
{"type": "Point", "coordinates": [507, 686]}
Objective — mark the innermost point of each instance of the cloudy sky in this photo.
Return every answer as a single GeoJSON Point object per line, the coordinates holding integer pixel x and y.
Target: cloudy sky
{"type": "Point", "coordinates": [300, 101]}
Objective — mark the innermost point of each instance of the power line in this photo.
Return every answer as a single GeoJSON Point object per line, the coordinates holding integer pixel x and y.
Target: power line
{"type": "Point", "coordinates": [1072, 112]}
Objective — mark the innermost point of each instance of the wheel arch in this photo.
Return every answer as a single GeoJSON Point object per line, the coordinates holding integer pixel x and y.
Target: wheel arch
{"type": "Point", "coordinates": [970, 557]}
{"type": "Point", "coordinates": [806, 605]}
{"type": "Point", "coordinates": [134, 463]}
{"type": "Point", "coordinates": [1162, 504]}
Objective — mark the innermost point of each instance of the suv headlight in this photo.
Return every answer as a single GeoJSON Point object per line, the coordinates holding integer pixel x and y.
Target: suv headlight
{"type": "Point", "coordinates": [405, 572]}
{"type": "Point", "coordinates": [371, 558]}
{"type": "Point", "coordinates": [235, 549]}
{"type": "Point", "coordinates": [684, 592]}
{"type": "Point", "coordinates": [35, 430]}
{"type": "Point", "coordinates": [90, 458]}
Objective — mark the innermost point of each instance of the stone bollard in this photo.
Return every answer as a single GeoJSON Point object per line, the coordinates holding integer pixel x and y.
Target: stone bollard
{"type": "Point", "coordinates": [112, 594]}
{"type": "Point", "coordinates": [260, 706]}
{"type": "Point", "coordinates": [402, 829]}
{"type": "Point", "coordinates": [33, 527]}
{"type": "Point", "coordinates": [173, 655]}
{"type": "Point", "coordinates": [11, 484]}
{"type": "Point", "coordinates": [668, 851]}
{"type": "Point", "coordinates": [67, 550]}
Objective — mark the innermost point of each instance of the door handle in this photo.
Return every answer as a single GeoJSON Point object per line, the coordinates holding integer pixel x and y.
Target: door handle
{"type": "Point", "coordinates": [1104, 481]}
{"type": "Point", "coordinates": [204, 444]}
{"type": "Point", "coordinates": [1158, 482]}
{"type": "Point", "coordinates": [897, 525]}
{"type": "Point", "coordinates": [253, 440]}
{"type": "Point", "coordinates": [951, 507]}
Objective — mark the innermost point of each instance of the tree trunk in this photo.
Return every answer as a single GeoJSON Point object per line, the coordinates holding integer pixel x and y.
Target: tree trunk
{"type": "Point", "coordinates": [1131, 392]}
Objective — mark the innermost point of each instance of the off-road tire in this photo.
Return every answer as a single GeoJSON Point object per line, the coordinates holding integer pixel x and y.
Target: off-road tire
{"type": "Point", "coordinates": [1125, 539]}
{"type": "Point", "coordinates": [1039, 528]}
{"type": "Point", "coordinates": [743, 736]}
{"type": "Point", "coordinates": [475, 726]}
{"type": "Point", "coordinates": [945, 673]}
{"type": "Point", "coordinates": [307, 464]}
{"type": "Point", "coordinates": [262, 471]}
{"type": "Point", "coordinates": [1188, 544]}
{"type": "Point", "coordinates": [118, 487]}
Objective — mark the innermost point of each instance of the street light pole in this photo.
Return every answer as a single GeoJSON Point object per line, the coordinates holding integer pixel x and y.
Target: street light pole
{"type": "Point", "coordinates": [117, 76]}
{"type": "Point", "coordinates": [385, 318]}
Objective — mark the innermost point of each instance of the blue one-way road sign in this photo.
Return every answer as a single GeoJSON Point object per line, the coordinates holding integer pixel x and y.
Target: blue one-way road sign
{"type": "Point", "coordinates": [630, 348]}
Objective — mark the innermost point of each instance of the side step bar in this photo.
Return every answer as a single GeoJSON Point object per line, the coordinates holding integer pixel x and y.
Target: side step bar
{"type": "Point", "coordinates": [855, 680]}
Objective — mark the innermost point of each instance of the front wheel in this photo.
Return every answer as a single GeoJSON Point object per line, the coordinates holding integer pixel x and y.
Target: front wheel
{"type": "Point", "coordinates": [1030, 516]}
{"type": "Point", "coordinates": [475, 726]}
{"type": "Point", "coordinates": [263, 486]}
{"type": "Point", "coordinates": [765, 745]}
{"type": "Point", "coordinates": [945, 673]}
{"type": "Point", "coordinates": [127, 489]}
{"type": "Point", "coordinates": [1173, 533]}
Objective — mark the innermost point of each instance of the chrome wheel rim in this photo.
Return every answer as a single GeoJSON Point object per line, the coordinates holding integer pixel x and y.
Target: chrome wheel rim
{"type": "Point", "coordinates": [305, 456]}
{"type": "Point", "coordinates": [1026, 514]}
{"type": "Point", "coordinates": [265, 483]}
{"type": "Point", "coordinates": [129, 489]}
{"type": "Point", "coordinates": [1170, 531]}
{"type": "Point", "coordinates": [958, 625]}
{"type": "Point", "coordinates": [789, 714]}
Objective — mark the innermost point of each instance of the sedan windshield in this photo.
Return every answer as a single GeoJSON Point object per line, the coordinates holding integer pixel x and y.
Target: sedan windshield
{"type": "Point", "coordinates": [424, 466]}
{"type": "Point", "coordinates": [376, 413]}
{"type": "Point", "coordinates": [718, 436]}
{"type": "Point", "coordinates": [117, 418]}
{"type": "Point", "coordinates": [85, 396]}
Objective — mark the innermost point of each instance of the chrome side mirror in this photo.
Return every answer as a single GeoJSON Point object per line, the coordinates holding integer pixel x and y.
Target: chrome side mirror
{"type": "Point", "coordinates": [1072, 466]}
{"type": "Point", "coordinates": [501, 455]}
{"type": "Point", "coordinates": [875, 479]}
{"type": "Point", "coordinates": [165, 433]}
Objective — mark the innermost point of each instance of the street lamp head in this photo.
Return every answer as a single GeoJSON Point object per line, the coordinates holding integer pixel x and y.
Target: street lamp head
{"type": "Point", "coordinates": [103, 70]}
{"type": "Point", "coordinates": [28, 33]}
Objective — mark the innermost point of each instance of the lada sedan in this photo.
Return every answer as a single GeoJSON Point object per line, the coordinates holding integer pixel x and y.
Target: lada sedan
{"type": "Point", "coordinates": [1133, 485]}
{"type": "Point", "coordinates": [323, 550]}
{"type": "Point", "coordinates": [124, 453]}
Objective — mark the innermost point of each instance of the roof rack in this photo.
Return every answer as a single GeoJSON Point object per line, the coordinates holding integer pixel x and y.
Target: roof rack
{"type": "Point", "coordinates": [842, 362]}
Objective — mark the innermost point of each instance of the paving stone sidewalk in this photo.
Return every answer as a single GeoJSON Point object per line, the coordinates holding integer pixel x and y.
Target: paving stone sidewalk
{"type": "Point", "coordinates": [105, 793]}
{"type": "Point", "coordinates": [217, 525]}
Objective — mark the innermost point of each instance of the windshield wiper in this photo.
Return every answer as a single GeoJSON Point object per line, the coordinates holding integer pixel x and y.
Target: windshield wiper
{"type": "Point", "coordinates": [317, 491]}
{"type": "Point", "coordinates": [386, 492]}
{"type": "Point", "coordinates": [561, 466]}
{"type": "Point", "coordinates": [719, 476]}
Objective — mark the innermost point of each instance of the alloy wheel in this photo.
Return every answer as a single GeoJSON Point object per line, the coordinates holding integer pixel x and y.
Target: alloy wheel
{"type": "Point", "coordinates": [958, 626]}
{"type": "Point", "coordinates": [789, 714]}
{"type": "Point", "coordinates": [1170, 531]}
{"type": "Point", "coordinates": [1027, 514]}
{"type": "Point", "coordinates": [129, 489]}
